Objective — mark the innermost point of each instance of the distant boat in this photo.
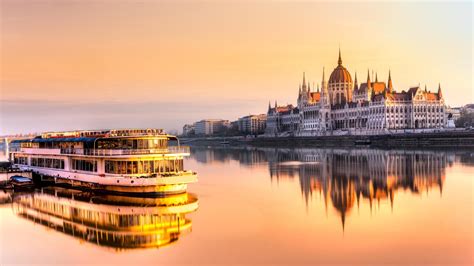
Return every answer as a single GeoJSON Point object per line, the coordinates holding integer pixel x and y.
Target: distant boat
{"type": "Point", "coordinates": [18, 181]}
{"type": "Point", "coordinates": [362, 142]}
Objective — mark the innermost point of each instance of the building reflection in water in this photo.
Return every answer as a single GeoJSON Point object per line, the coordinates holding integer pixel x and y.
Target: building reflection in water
{"type": "Point", "coordinates": [119, 222]}
{"type": "Point", "coordinates": [344, 176]}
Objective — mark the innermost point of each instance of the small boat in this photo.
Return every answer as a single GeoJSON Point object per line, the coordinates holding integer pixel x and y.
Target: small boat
{"type": "Point", "coordinates": [362, 142]}
{"type": "Point", "coordinates": [17, 181]}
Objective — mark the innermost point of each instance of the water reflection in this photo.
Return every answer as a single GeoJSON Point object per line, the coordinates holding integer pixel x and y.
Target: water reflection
{"type": "Point", "coordinates": [119, 222]}
{"type": "Point", "coordinates": [342, 177]}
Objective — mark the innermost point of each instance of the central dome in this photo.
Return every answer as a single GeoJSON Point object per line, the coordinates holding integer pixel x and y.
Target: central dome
{"type": "Point", "coordinates": [340, 73]}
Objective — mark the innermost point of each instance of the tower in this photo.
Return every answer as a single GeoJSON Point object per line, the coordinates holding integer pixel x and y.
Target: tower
{"type": "Point", "coordinates": [440, 94]}
{"type": "Point", "coordinates": [368, 91]}
{"type": "Point", "coordinates": [340, 86]}
{"type": "Point", "coordinates": [390, 86]}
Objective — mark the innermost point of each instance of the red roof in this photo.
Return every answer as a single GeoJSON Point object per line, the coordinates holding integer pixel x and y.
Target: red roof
{"type": "Point", "coordinates": [316, 96]}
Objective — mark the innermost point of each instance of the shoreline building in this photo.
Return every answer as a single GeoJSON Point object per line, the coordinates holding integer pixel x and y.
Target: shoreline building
{"type": "Point", "coordinates": [342, 106]}
{"type": "Point", "coordinates": [210, 126]}
{"type": "Point", "coordinates": [252, 124]}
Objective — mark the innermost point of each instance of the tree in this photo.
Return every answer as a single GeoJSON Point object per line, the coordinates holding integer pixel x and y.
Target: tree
{"type": "Point", "coordinates": [465, 120]}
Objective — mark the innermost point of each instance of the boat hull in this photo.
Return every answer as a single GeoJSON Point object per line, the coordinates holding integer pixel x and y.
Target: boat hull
{"type": "Point", "coordinates": [166, 186]}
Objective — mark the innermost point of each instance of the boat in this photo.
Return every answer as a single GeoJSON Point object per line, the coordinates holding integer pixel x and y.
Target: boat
{"type": "Point", "coordinates": [362, 142]}
{"type": "Point", "coordinates": [123, 161]}
{"type": "Point", "coordinates": [17, 181]}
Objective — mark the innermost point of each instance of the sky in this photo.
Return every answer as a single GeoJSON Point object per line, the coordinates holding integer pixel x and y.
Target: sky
{"type": "Point", "coordinates": [160, 64]}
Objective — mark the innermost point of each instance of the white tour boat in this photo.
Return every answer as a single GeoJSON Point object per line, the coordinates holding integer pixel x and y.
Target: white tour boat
{"type": "Point", "coordinates": [136, 161]}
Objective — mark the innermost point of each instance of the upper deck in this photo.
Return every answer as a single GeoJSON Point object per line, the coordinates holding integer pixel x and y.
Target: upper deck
{"type": "Point", "coordinates": [102, 143]}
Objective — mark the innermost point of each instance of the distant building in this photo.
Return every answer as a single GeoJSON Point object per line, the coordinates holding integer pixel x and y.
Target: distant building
{"type": "Point", "coordinates": [252, 124]}
{"type": "Point", "coordinates": [342, 106]}
{"type": "Point", "coordinates": [468, 108]}
{"type": "Point", "coordinates": [282, 119]}
{"type": "Point", "coordinates": [211, 126]}
{"type": "Point", "coordinates": [188, 130]}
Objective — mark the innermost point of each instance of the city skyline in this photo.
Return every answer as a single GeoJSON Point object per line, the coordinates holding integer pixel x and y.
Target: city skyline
{"type": "Point", "coordinates": [151, 69]}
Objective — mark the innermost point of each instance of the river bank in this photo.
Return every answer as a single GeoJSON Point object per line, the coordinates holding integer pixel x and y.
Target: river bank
{"type": "Point", "coordinates": [458, 139]}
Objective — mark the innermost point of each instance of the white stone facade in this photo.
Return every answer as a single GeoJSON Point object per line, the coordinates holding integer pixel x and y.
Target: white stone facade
{"type": "Point", "coordinates": [344, 107]}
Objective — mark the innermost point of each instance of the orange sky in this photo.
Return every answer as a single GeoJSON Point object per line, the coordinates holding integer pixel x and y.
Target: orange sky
{"type": "Point", "coordinates": [211, 59]}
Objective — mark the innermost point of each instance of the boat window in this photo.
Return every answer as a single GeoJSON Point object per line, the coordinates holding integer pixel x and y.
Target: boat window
{"type": "Point", "coordinates": [144, 166]}
{"type": "Point", "coordinates": [47, 163]}
{"type": "Point", "coordinates": [84, 165]}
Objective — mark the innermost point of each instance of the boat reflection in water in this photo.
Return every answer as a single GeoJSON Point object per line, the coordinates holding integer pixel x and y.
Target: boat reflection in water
{"type": "Point", "coordinates": [119, 222]}
{"type": "Point", "coordinates": [343, 177]}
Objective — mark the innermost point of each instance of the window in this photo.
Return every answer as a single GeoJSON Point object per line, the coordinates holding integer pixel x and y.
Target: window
{"type": "Point", "coordinates": [84, 165]}
{"type": "Point", "coordinates": [47, 163]}
{"type": "Point", "coordinates": [143, 167]}
{"type": "Point", "coordinates": [20, 160]}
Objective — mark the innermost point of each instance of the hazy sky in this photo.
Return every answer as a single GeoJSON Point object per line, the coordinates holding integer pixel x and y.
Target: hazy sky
{"type": "Point", "coordinates": [114, 64]}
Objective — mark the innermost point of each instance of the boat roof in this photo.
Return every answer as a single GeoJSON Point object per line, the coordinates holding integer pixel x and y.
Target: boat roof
{"type": "Point", "coordinates": [38, 140]}
{"type": "Point", "coordinates": [83, 139]}
{"type": "Point", "coordinates": [19, 178]}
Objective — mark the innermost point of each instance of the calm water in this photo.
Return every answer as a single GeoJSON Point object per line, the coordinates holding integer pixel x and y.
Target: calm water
{"type": "Point", "coordinates": [274, 206]}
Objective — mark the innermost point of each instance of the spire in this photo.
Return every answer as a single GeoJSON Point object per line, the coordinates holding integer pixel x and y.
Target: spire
{"type": "Point", "coordinates": [368, 79]}
{"type": "Point", "coordinates": [269, 106]}
{"type": "Point", "coordinates": [275, 104]}
{"type": "Point", "coordinates": [440, 95]}
{"type": "Point", "coordinates": [339, 62]}
{"type": "Point", "coordinates": [390, 86]}
{"type": "Point", "coordinates": [376, 78]}
{"type": "Point", "coordinates": [324, 79]}
{"type": "Point", "coordinates": [318, 87]}
{"type": "Point", "coordinates": [356, 85]}
{"type": "Point", "coordinates": [426, 90]}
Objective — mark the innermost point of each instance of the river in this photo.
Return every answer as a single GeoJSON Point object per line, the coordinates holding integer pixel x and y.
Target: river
{"type": "Point", "coordinates": [261, 206]}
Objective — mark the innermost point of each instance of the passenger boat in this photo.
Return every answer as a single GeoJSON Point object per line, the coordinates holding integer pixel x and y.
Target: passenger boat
{"type": "Point", "coordinates": [130, 161]}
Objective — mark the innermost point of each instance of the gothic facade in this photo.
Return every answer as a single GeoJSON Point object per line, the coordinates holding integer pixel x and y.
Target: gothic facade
{"type": "Point", "coordinates": [342, 106]}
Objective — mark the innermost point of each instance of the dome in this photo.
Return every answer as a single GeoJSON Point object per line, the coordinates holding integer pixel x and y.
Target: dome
{"type": "Point", "coordinates": [340, 73]}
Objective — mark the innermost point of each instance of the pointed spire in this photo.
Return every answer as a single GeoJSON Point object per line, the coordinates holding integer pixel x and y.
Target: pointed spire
{"type": "Point", "coordinates": [318, 88]}
{"type": "Point", "coordinates": [275, 104]}
{"type": "Point", "coordinates": [324, 79]}
{"type": "Point", "coordinates": [390, 86]}
{"type": "Point", "coordinates": [376, 78]}
{"type": "Point", "coordinates": [368, 79]}
{"type": "Point", "coordinates": [440, 94]}
{"type": "Point", "coordinates": [356, 85]}
{"type": "Point", "coordinates": [426, 89]}
{"type": "Point", "coordinates": [339, 61]}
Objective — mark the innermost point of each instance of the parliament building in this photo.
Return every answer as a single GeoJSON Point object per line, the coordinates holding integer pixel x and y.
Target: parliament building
{"type": "Point", "coordinates": [343, 106]}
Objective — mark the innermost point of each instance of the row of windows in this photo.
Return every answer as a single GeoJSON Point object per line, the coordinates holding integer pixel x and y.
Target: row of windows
{"type": "Point", "coordinates": [84, 165]}
{"type": "Point", "coordinates": [143, 167]}
{"type": "Point", "coordinates": [20, 160]}
{"type": "Point", "coordinates": [132, 144]}
{"type": "Point", "coordinates": [47, 163]}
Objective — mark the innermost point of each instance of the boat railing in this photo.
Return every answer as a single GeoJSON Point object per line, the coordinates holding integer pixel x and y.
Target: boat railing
{"type": "Point", "coordinates": [118, 152]}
